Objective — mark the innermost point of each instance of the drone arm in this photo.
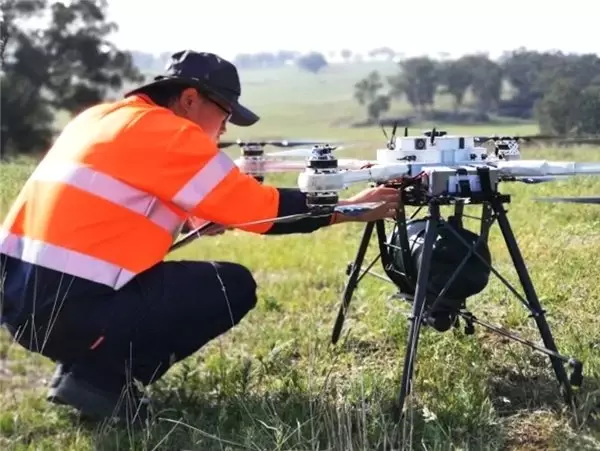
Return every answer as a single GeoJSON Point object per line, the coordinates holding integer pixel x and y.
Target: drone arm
{"type": "Point", "coordinates": [533, 168]}
{"type": "Point", "coordinates": [377, 173]}
{"type": "Point", "coordinates": [310, 182]}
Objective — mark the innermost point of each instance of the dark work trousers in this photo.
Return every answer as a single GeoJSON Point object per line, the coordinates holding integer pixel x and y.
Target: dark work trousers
{"type": "Point", "coordinates": [161, 317]}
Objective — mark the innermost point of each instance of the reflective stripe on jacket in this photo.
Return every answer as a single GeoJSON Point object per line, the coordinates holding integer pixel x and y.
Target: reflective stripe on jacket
{"type": "Point", "coordinates": [112, 193]}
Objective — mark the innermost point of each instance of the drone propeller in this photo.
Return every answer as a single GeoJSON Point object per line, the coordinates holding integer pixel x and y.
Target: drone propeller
{"type": "Point", "coordinates": [272, 142]}
{"type": "Point", "coordinates": [594, 200]}
{"type": "Point", "coordinates": [556, 138]}
{"type": "Point", "coordinates": [540, 179]}
{"type": "Point", "coordinates": [278, 166]}
{"type": "Point", "coordinates": [302, 152]}
{"type": "Point", "coordinates": [226, 144]}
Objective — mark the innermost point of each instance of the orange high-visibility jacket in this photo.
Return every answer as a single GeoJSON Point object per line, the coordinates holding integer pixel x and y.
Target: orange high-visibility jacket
{"type": "Point", "coordinates": [110, 196]}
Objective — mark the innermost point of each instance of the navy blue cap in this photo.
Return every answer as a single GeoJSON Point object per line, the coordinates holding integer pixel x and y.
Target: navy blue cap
{"type": "Point", "coordinates": [208, 73]}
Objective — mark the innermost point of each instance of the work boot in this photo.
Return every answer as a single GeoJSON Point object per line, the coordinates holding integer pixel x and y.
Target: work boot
{"type": "Point", "coordinates": [61, 369]}
{"type": "Point", "coordinates": [93, 402]}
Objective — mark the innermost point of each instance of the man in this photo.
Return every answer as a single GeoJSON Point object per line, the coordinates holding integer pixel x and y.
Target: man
{"type": "Point", "coordinates": [83, 245]}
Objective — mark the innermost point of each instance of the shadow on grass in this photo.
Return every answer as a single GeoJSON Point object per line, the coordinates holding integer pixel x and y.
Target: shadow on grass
{"type": "Point", "coordinates": [520, 399]}
{"type": "Point", "coordinates": [513, 392]}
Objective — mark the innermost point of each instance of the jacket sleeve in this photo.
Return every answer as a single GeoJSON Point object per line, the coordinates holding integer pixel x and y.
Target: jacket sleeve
{"type": "Point", "coordinates": [294, 200]}
{"type": "Point", "coordinates": [202, 180]}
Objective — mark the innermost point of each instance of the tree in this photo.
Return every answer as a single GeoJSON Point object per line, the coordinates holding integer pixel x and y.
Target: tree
{"type": "Point", "coordinates": [486, 81]}
{"type": "Point", "coordinates": [456, 77]}
{"type": "Point", "coordinates": [557, 111]}
{"type": "Point", "coordinates": [561, 90]}
{"type": "Point", "coordinates": [379, 105]}
{"type": "Point", "coordinates": [366, 89]}
{"type": "Point", "coordinates": [581, 70]}
{"type": "Point", "coordinates": [568, 108]}
{"type": "Point", "coordinates": [66, 66]}
{"type": "Point", "coordinates": [366, 92]}
{"type": "Point", "coordinates": [312, 62]}
{"type": "Point", "coordinates": [589, 110]}
{"type": "Point", "coordinates": [418, 81]}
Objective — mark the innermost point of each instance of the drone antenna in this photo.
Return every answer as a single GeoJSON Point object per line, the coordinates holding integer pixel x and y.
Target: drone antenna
{"type": "Point", "coordinates": [394, 133]}
{"type": "Point", "coordinates": [405, 131]}
{"type": "Point", "coordinates": [384, 132]}
{"type": "Point", "coordinates": [394, 129]}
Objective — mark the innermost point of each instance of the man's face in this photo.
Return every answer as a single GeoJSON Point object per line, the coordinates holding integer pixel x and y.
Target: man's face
{"type": "Point", "coordinates": [207, 112]}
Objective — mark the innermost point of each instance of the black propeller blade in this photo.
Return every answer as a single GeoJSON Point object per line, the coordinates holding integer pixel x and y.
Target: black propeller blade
{"type": "Point", "coordinates": [575, 200]}
{"type": "Point", "coordinates": [273, 142]}
{"type": "Point", "coordinates": [558, 138]}
{"type": "Point", "coordinates": [508, 138]}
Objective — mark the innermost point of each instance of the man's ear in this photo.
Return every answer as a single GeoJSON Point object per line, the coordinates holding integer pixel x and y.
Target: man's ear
{"type": "Point", "coordinates": [187, 98]}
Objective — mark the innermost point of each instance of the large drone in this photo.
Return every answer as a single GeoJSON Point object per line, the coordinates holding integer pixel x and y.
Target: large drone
{"type": "Point", "coordinates": [431, 170]}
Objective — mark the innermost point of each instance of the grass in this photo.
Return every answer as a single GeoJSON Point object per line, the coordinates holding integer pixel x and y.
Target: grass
{"type": "Point", "coordinates": [274, 382]}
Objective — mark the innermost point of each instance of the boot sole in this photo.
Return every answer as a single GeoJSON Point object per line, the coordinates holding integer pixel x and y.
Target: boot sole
{"type": "Point", "coordinates": [91, 402]}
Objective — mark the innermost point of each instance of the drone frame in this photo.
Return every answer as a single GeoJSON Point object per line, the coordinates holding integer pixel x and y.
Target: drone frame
{"type": "Point", "coordinates": [492, 203]}
{"type": "Point", "coordinates": [321, 181]}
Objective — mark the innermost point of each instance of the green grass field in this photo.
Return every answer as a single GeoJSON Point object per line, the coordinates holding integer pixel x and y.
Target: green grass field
{"type": "Point", "coordinates": [275, 383]}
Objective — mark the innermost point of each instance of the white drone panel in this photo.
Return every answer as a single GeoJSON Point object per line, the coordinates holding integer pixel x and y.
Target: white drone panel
{"type": "Point", "coordinates": [457, 148]}
{"type": "Point", "coordinates": [445, 150]}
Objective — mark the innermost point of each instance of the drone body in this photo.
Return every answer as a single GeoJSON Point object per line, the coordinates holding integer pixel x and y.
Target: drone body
{"type": "Point", "coordinates": [442, 149]}
{"type": "Point", "coordinates": [436, 264]}
{"type": "Point", "coordinates": [443, 162]}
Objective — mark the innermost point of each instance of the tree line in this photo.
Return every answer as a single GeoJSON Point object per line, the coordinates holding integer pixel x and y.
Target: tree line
{"type": "Point", "coordinates": [65, 65]}
{"type": "Point", "coordinates": [560, 91]}
{"type": "Point", "coordinates": [69, 63]}
{"type": "Point", "coordinates": [311, 61]}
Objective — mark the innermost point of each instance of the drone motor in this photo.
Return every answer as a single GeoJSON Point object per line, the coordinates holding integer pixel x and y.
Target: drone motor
{"type": "Point", "coordinates": [321, 180]}
{"type": "Point", "coordinates": [253, 161]}
{"type": "Point", "coordinates": [252, 151]}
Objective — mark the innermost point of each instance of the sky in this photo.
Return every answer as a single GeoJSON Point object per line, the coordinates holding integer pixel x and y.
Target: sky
{"type": "Point", "coordinates": [418, 27]}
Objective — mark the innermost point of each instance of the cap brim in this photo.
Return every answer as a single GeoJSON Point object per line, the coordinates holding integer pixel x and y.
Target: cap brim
{"type": "Point", "coordinates": [158, 81]}
{"type": "Point", "coordinates": [242, 116]}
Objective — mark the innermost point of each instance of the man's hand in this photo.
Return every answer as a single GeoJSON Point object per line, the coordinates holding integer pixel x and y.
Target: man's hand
{"type": "Point", "coordinates": [390, 198]}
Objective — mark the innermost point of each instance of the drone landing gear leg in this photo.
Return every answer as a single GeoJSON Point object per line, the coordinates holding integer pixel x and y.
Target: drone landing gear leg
{"type": "Point", "coordinates": [352, 281]}
{"type": "Point", "coordinates": [533, 300]}
{"type": "Point", "coordinates": [416, 318]}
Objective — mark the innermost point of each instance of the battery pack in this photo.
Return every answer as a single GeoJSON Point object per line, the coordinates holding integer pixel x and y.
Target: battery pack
{"type": "Point", "coordinates": [458, 180]}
